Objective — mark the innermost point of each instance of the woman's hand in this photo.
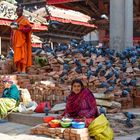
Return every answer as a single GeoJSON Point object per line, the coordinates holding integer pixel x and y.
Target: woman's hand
{"type": "Point", "coordinates": [59, 117]}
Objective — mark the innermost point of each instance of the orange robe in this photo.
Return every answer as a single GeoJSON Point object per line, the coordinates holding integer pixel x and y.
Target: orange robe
{"type": "Point", "coordinates": [22, 43]}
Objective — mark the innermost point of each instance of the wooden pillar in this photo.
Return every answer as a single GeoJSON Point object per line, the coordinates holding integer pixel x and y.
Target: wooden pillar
{"type": "Point", "coordinates": [102, 35]}
{"type": "Point", "coordinates": [101, 5]}
{"type": "Point", "coordinates": [0, 45]}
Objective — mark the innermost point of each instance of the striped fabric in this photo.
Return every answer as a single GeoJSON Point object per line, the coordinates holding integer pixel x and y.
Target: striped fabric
{"type": "Point", "coordinates": [6, 104]}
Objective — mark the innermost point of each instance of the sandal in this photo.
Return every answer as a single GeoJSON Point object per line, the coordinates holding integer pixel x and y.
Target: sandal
{"type": "Point", "coordinates": [16, 72]}
{"type": "Point", "coordinates": [23, 73]}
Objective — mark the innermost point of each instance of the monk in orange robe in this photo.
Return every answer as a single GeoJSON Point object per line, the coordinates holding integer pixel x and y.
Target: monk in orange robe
{"type": "Point", "coordinates": [21, 42]}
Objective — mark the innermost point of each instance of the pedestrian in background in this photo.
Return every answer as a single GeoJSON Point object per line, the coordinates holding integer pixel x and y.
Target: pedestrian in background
{"type": "Point", "coordinates": [21, 42]}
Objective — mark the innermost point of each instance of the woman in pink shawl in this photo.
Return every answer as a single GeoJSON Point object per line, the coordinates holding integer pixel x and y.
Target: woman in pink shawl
{"type": "Point", "coordinates": [81, 102]}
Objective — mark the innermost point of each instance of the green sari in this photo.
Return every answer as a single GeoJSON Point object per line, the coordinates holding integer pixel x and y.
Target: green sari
{"type": "Point", "coordinates": [6, 105]}
{"type": "Point", "coordinates": [9, 100]}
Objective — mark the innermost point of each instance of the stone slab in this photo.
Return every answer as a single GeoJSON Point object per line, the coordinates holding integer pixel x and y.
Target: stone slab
{"type": "Point", "coordinates": [28, 119]}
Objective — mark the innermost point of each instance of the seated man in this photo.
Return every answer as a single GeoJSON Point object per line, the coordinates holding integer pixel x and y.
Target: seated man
{"type": "Point", "coordinates": [10, 97]}
{"type": "Point", "coordinates": [81, 102]}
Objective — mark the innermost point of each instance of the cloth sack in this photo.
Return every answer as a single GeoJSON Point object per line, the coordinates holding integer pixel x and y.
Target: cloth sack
{"type": "Point", "coordinates": [26, 97]}
{"type": "Point", "coordinates": [100, 129]}
{"type": "Point", "coordinates": [40, 108]}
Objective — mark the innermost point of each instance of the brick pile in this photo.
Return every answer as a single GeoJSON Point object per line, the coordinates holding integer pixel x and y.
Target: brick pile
{"type": "Point", "coordinates": [136, 100]}
{"type": "Point", "coordinates": [6, 67]}
{"type": "Point", "coordinates": [61, 133]}
{"type": "Point", "coordinates": [61, 70]}
{"type": "Point", "coordinates": [55, 72]}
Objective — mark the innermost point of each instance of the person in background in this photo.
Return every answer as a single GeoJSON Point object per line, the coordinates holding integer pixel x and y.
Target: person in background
{"type": "Point", "coordinates": [10, 97]}
{"type": "Point", "coordinates": [21, 42]}
{"type": "Point", "coordinates": [81, 102]}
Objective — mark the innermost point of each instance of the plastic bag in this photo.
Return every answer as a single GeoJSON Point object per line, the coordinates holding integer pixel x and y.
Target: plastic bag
{"type": "Point", "coordinates": [31, 107]}
{"type": "Point", "coordinates": [21, 108]}
{"type": "Point", "coordinates": [100, 129]}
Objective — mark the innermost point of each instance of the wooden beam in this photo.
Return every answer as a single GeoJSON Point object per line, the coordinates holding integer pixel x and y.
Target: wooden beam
{"type": "Point", "coordinates": [101, 5]}
{"type": "Point", "coordinates": [5, 38]}
{"type": "Point", "coordinates": [78, 33]}
{"type": "Point", "coordinates": [5, 30]}
{"type": "Point", "coordinates": [88, 30]}
{"type": "Point", "coordinates": [76, 28]}
{"type": "Point", "coordinates": [0, 45]}
{"type": "Point", "coordinates": [69, 27]}
{"type": "Point", "coordinates": [79, 29]}
{"type": "Point", "coordinates": [86, 11]}
{"type": "Point", "coordinates": [139, 6]}
{"type": "Point", "coordinates": [79, 7]}
{"type": "Point", "coordinates": [93, 7]}
{"type": "Point", "coordinates": [34, 3]}
{"type": "Point", "coordinates": [64, 27]}
{"type": "Point", "coordinates": [82, 29]}
{"type": "Point", "coordinates": [59, 35]}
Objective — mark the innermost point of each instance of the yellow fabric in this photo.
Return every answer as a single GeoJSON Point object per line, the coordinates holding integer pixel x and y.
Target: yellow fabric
{"type": "Point", "coordinates": [6, 104]}
{"type": "Point", "coordinates": [100, 129]}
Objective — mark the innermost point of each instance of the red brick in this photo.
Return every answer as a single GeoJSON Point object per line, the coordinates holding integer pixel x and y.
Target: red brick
{"type": "Point", "coordinates": [137, 101]}
{"type": "Point", "coordinates": [138, 91]}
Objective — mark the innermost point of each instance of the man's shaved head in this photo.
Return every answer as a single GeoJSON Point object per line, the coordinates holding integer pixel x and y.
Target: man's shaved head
{"type": "Point", "coordinates": [19, 11]}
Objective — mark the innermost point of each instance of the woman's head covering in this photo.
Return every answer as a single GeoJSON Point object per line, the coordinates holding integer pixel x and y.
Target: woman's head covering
{"type": "Point", "coordinates": [7, 79]}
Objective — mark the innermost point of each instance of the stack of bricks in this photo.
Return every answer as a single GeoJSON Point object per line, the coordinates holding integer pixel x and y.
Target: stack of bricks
{"type": "Point", "coordinates": [27, 81]}
{"type": "Point", "coordinates": [54, 93]}
{"type": "Point", "coordinates": [61, 133]}
{"type": "Point", "coordinates": [6, 67]}
{"type": "Point", "coordinates": [38, 66]}
{"type": "Point", "coordinates": [76, 134]}
{"type": "Point", "coordinates": [1, 87]}
{"type": "Point", "coordinates": [94, 81]}
{"type": "Point", "coordinates": [58, 93]}
{"type": "Point", "coordinates": [55, 71]}
{"type": "Point", "coordinates": [55, 68]}
{"type": "Point", "coordinates": [137, 92]}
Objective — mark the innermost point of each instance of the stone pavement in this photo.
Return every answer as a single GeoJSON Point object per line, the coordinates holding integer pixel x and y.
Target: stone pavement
{"type": "Point", "coordinates": [130, 137]}
{"type": "Point", "coordinates": [14, 131]}
{"type": "Point", "coordinates": [19, 131]}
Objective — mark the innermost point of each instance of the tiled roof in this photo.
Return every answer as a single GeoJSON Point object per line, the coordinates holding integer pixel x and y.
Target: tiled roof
{"type": "Point", "coordinates": [7, 11]}
{"type": "Point", "coordinates": [63, 13]}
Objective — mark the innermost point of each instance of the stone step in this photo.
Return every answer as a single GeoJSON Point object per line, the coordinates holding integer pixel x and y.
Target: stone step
{"type": "Point", "coordinates": [28, 119]}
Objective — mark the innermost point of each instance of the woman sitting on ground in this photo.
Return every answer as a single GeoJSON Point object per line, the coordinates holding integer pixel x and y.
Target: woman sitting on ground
{"type": "Point", "coordinates": [10, 97]}
{"type": "Point", "coordinates": [81, 102]}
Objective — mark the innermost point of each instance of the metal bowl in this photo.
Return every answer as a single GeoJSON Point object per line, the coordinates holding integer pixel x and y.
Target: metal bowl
{"type": "Point", "coordinates": [14, 25]}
